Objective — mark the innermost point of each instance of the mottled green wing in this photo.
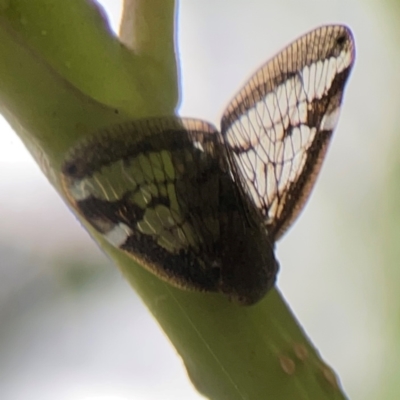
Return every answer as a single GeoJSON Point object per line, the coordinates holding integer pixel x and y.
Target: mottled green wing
{"type": "Point", "coordinates": [277, 128]}
{"type": "Point", "coordinates": [160, 190]}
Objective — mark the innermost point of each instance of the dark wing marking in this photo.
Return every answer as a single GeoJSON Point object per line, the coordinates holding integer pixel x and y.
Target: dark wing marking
{"type": "Point", "coordinates": [277, 128]}
{"type": "Point", "coordinates": [160, 189]}
{"type": "Point", "coordinates": [201, 209]}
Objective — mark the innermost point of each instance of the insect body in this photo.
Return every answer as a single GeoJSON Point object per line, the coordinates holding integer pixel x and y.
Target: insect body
{"type": "Point", "coordinates": [203, 208]}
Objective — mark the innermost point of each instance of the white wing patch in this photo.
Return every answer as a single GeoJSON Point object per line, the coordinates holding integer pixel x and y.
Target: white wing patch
{"type": "Point", "coordinates": [330, 120]}
{"type": "Point", "coordinates": [118, 235]}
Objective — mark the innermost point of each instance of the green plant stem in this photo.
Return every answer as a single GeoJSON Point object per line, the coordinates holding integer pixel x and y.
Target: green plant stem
{"type": "Point", "coordinates": [63, 75]}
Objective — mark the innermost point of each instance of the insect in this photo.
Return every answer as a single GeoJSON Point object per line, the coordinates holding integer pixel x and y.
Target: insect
{"type": "Point", "coordinates": [203, 208]}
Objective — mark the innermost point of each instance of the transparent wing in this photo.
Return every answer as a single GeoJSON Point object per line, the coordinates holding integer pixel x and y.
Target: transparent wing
{"type": "Point", "coordinates": [136, 185]}
{"type": "Point", "coordinates": [277, 128]}
{"type": "Point", "coordinates": [160, 190]}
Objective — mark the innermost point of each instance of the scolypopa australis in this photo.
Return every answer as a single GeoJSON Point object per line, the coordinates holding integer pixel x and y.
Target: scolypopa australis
{"type": "Point", "coordinates": [203, 208]}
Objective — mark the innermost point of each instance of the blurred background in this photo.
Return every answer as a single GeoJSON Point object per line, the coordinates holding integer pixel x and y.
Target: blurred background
{"type": "Point", "coordinates": [71, 328]}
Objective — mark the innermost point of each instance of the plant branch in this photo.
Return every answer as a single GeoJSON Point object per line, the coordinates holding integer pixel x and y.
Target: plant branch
{"type": "Point", "coordinates": [63, 76]}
